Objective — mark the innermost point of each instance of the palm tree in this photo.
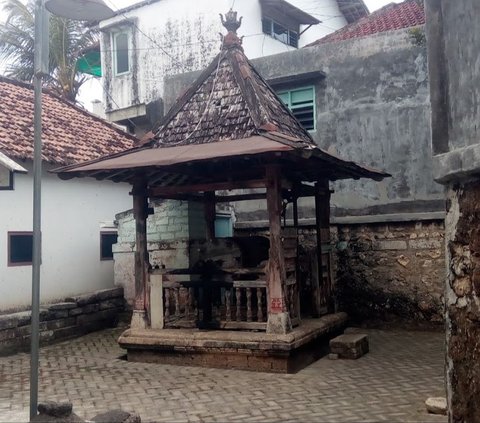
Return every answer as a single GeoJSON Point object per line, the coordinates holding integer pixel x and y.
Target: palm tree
{"type": "Point", "coordinates": [68, 40]}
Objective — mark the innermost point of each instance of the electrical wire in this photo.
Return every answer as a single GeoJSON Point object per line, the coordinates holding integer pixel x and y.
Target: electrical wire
{"type": "Point", "coordinates": [147, 36]}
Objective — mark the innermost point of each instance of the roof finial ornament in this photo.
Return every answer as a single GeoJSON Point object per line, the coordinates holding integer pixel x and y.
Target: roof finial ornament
{"type": "Point", "coordinates": [231, 23]}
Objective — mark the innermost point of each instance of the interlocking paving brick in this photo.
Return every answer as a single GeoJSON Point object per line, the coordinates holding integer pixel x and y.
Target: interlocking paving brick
{"type": "Point", "coordinates": [390, 383]}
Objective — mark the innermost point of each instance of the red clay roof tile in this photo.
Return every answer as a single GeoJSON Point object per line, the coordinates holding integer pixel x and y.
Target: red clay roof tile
{"type": "Point", "coordinates": [391, 17]}
{"type": "Point", "coordinates": [70, 134]}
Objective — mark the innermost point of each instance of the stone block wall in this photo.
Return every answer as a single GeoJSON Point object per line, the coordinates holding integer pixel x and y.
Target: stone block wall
{"type": "Point", "coordinates": [392, 271]}
{"type": "Point", "coordinates": [74, 316]}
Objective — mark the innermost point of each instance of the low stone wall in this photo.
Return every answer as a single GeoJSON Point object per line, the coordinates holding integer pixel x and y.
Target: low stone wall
{"type": "Point", "coordinates": [74, 317]}
{"type": "Point", "coordinates": [393, 271]}
{"type": "Point", "coordinates": [388, 273]}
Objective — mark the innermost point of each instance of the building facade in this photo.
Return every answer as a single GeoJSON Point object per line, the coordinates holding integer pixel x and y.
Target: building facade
{"type": "Point", "coordinates": [148, 41]}
{"type": "Point", "coordinates": [78, 227]}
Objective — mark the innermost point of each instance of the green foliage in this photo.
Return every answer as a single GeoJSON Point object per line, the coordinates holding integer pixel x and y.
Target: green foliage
{"type": "Point", "coordinates": [68, 41]}
{"type": "Point", "coordinates": [417, 35]}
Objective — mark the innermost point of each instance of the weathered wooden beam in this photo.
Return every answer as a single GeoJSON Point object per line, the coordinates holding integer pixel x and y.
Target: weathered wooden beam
{"type": "Point", "coordinates": [205, 187]}
{"type": "Point", "coordinates": [240, 197]}
{"type": "Point", "coordinates": [322, 286]}
{"type": "Point", "coordinates": [278, 316]}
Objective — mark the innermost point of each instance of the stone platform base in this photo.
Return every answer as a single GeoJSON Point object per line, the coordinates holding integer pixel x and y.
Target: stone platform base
{"type": "Point", "coordinates": [257, 351]}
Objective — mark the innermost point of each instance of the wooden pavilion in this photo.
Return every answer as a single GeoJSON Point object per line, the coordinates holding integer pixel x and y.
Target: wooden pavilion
{"type": "Point", "coordinates": [229, 131]}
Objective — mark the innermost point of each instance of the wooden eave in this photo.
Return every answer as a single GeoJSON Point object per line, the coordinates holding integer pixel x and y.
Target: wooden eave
{"type": "Point", "coordinates": [282, 7]}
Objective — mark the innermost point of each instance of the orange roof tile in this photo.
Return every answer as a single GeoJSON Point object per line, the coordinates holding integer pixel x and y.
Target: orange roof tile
{"type": "Point", "coordinates": [389, 18]}
{"type": "Point", "coordinates": [70, 133]}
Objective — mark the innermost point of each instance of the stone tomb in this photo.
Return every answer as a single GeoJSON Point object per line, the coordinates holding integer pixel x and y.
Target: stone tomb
{"type": "Point", "coordinates": [350, 346]}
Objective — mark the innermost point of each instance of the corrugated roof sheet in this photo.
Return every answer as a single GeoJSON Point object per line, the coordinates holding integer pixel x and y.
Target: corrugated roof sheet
{"type": "Point", "coordinates": [391, 17]}
{"type": "Point", "coordinates": [70, 134]}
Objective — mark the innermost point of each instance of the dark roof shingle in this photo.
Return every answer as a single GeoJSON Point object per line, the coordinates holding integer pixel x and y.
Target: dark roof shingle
{"type": "Point", "coordinates": [230, 101]}
{"type": "Point", "coordinates": [70, 134]}
{"type": "Point", "coordinates": [391, 17]}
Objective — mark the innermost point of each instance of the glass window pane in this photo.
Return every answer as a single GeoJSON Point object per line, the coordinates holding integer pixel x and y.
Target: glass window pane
{"type": "Point", "coordinates": [280, 33]}
{"type": "Point", "coordinates": [21, 248]}
{"type": "Point", "coordinates": [293, 40]}
{"type": "Point", "coordinates": [121, 53]}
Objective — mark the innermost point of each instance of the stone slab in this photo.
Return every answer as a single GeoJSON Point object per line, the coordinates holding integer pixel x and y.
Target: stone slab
{"type": "Point", "coordinates": [436, 405]}
{"type": "Point", "coordinates": [349, 346]}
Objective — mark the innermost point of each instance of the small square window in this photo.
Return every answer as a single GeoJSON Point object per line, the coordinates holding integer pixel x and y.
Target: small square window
{"type": "Point", "coordinates": [20, 248]}
{"type": "Point", "coordinates": [121, 53]}
{"type": "Point", "coordinates": [107, 240]}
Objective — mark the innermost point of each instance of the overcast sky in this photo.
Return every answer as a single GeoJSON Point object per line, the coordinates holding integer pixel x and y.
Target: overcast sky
{"type": "Point", "coordinates": [371, 4]}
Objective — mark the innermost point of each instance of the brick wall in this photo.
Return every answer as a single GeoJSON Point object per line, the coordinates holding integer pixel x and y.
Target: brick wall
{"type": "Point", "coordinates": [169, 228]}
{"type": "Point", "coordinates": [73, 317]}
{"type": "Point", "coordinates": [393, 271]}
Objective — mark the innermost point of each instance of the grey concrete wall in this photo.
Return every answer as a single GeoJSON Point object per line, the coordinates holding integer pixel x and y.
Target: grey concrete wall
{"type": "Point", "coordinates": [454, 69]}
{"type": "Point", "coordinates": [373, 107]}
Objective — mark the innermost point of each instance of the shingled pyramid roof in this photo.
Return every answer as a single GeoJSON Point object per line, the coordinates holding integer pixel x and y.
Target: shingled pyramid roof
{"type": "Point", "coordinates": [228, 115]}
{"type": "Point", "coordinates": [229, 101]}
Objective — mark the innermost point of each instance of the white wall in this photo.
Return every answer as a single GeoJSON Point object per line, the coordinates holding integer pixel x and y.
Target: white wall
{"type": "Point", "coordinates": [72, 212]}
{"type": "Point", "coordinates": [327, 12]}
{"type": "Point", "coordinates": [190, 36]}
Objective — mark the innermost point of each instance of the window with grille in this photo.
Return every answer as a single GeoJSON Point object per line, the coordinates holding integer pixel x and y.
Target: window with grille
{"type": "Point", "coordinates": [280, 32]}
{"type": "Point", "coordinates": [301, 102]}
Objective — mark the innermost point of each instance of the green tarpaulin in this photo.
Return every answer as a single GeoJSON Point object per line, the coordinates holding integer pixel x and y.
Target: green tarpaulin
{"type": "Point", "coordinates": [90, 63]}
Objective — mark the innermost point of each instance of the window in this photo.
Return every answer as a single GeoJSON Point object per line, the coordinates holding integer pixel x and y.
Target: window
{"type": "Point", "coordinates": [20, 248]}
{"type": "Point", "coordinates": [280, 32]}
{"type": "Point", "coordinates": [121, 53]}
{"type": "Point", "coordinates": [301, 102]}
{"type": "Point", "coordinates": [6, 179]}
{"type": "Point", "coordinates": [107, 239]}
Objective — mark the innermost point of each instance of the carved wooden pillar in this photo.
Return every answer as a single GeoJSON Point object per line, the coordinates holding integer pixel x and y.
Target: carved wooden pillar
{"type": "Point", "coordinates": [278, 316]}
{"type": "Point", "coordinates": [323, 293]}
{"type": "Point", "coordinates": [140, 213]}
{"type": "Point", "coordinates": [210, 214]}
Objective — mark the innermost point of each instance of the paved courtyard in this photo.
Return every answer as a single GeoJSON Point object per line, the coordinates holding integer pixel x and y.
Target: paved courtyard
{"type": "Point", "coordinates": [390, 384]}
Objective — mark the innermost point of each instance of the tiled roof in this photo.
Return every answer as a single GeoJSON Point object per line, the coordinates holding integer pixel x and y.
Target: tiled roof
{"type": "Point", "coordinates": [230, 101]}
{"type": "Point", "coordinates": [391, 17]}
{"type": "Point", "coordinates": [70, 134]}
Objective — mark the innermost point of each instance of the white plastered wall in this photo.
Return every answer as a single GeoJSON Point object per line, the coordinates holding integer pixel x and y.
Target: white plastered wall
{"type": "Point", "coordinates": [190, 36]}
{"type": "Point", "coordinates": [72, 214]}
